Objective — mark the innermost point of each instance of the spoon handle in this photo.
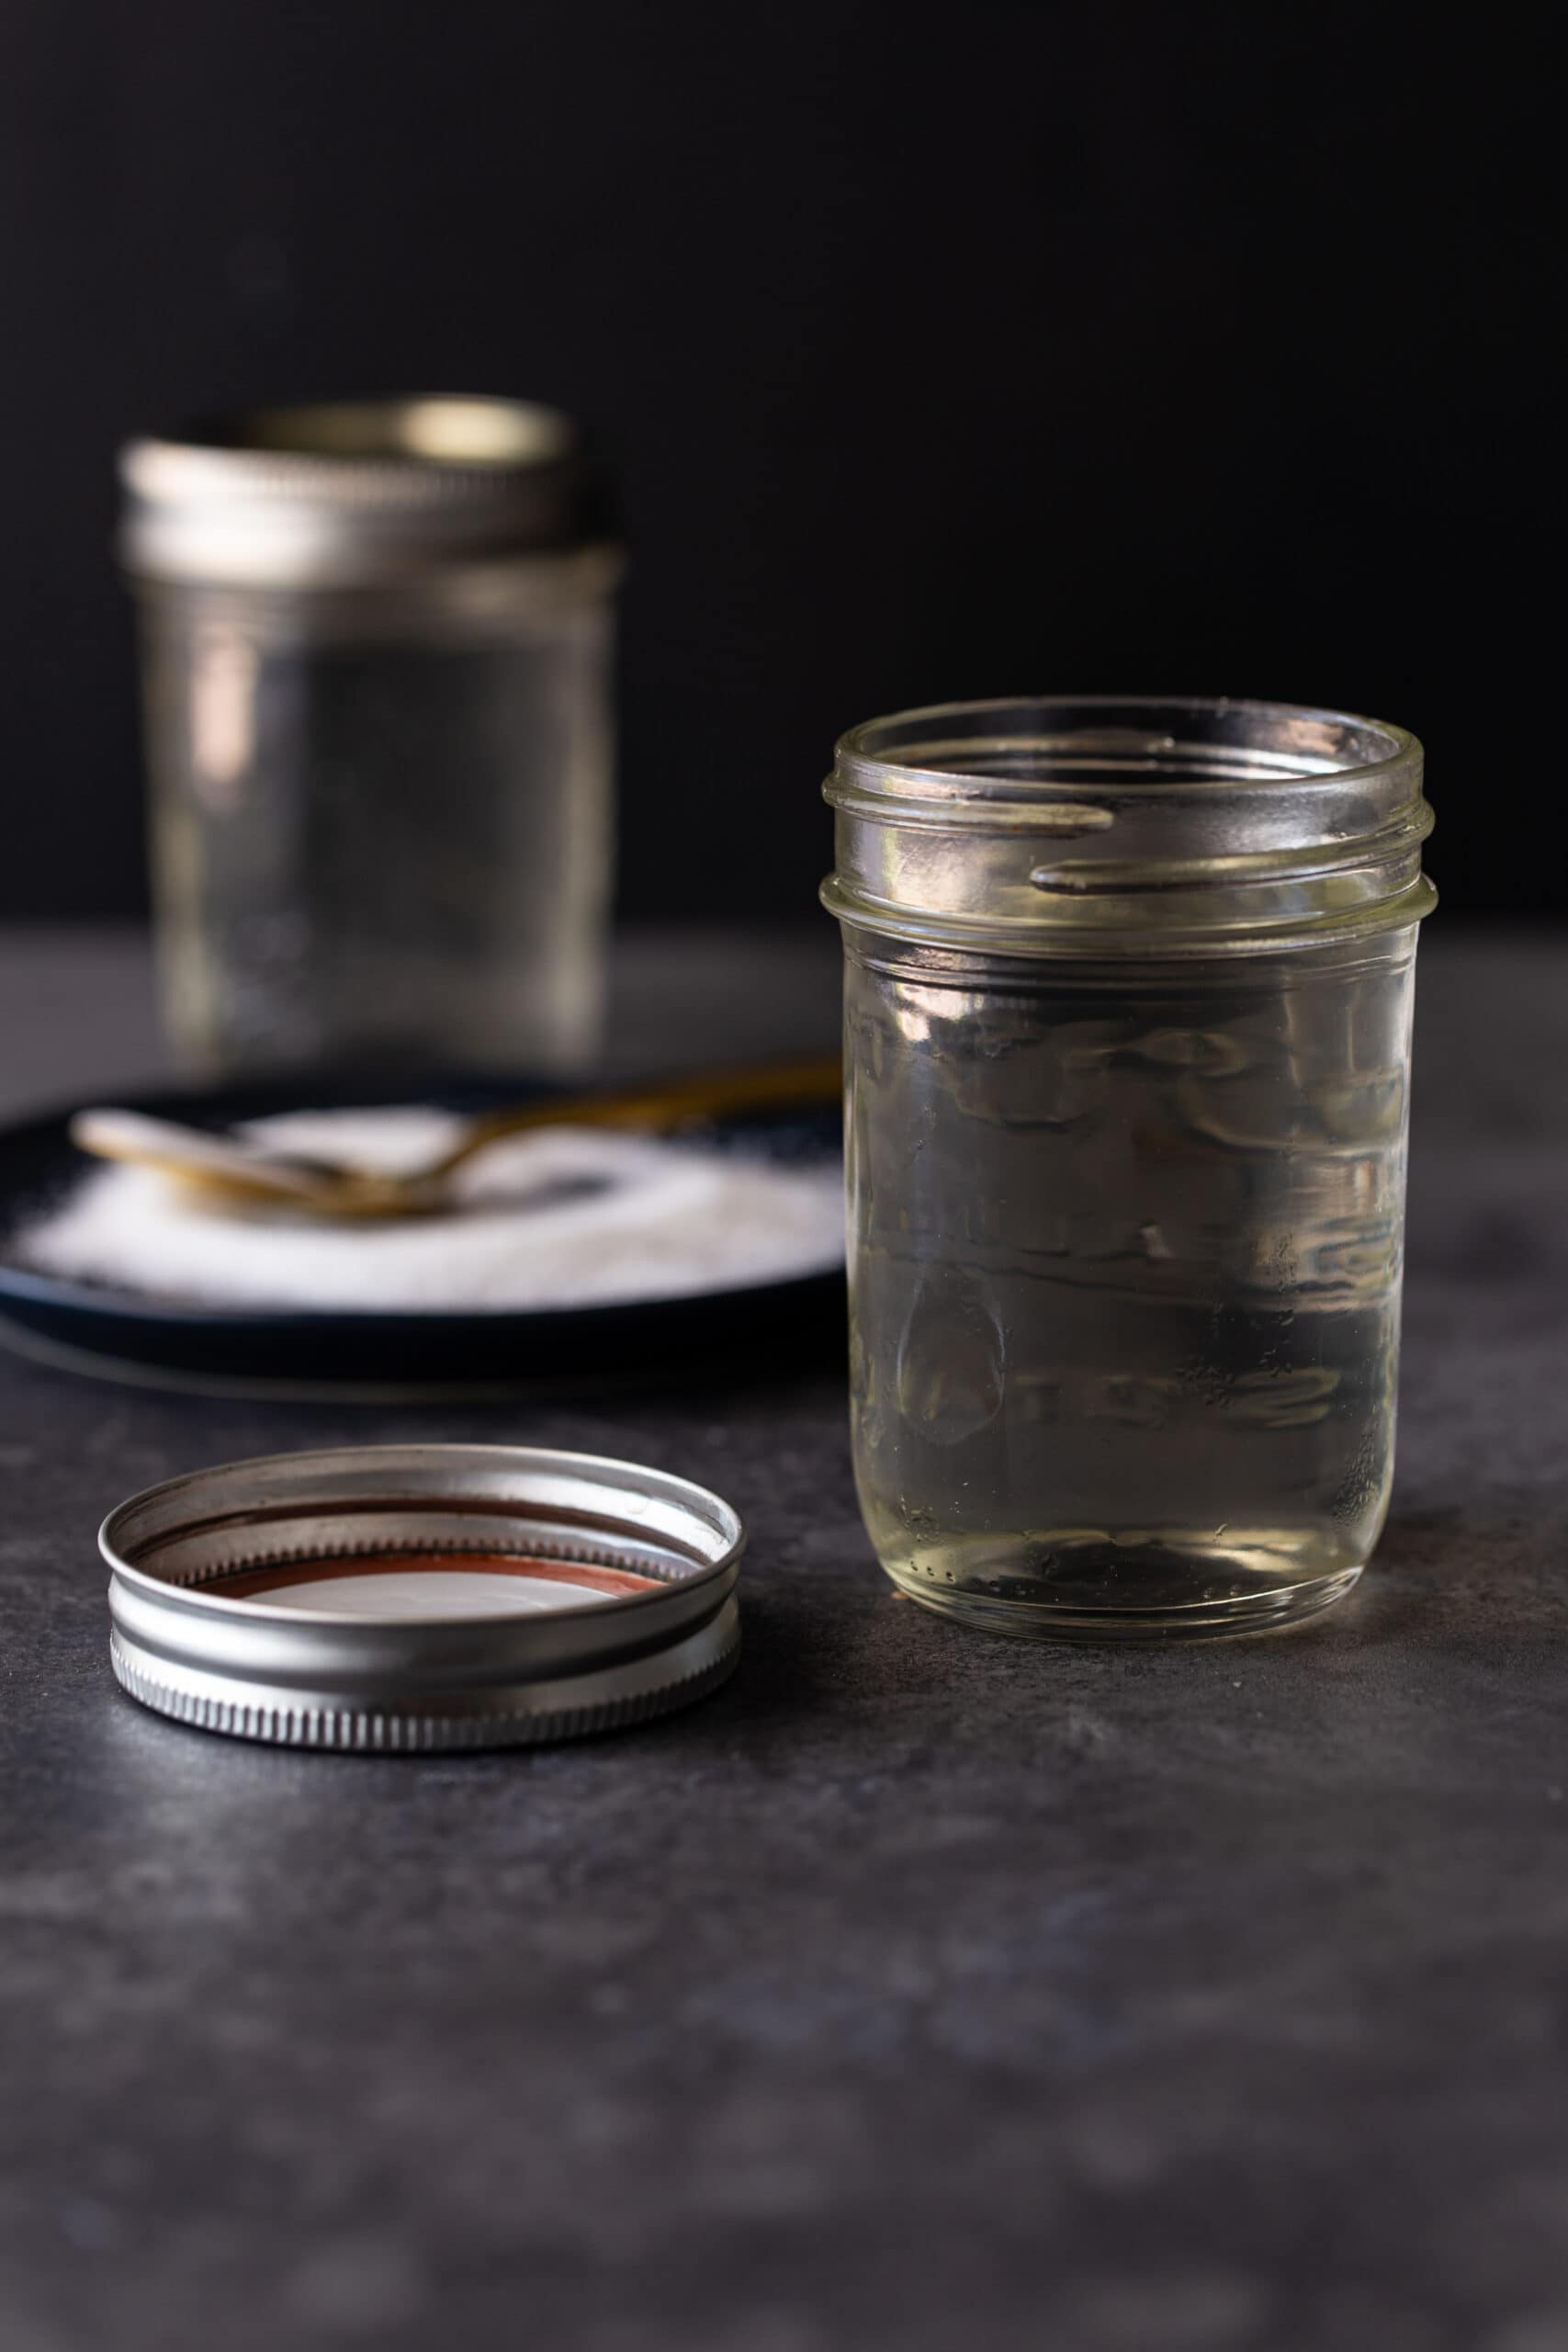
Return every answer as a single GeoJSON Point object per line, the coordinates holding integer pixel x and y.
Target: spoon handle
{"type": "Point", "coordinates": [657, 1106]}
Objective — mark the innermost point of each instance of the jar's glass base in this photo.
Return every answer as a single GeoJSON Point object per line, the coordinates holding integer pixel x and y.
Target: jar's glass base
{"type": "Point", "coordinates": [1100, 1588]}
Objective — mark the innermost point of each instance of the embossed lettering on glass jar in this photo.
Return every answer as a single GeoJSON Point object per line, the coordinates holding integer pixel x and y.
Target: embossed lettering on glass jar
{"type": "Point", "coordinates": [1128, 1001]}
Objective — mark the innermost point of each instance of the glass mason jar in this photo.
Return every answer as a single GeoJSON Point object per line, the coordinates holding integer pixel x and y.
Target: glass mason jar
{"type": "Point", "coordinates": [1127, 1023]}
{"type": "Point", "coordinates": [376, 648]}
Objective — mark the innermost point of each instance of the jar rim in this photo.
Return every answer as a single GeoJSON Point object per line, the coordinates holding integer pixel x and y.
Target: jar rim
{"type": "Point", "coordinates": [1057, 824]}
{"type": "Point", "coordinates": [1317, 743]}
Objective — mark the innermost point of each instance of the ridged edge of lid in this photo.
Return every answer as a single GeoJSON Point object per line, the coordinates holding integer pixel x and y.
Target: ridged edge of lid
{"type": "Point", "coordinates": [345, 492]}
{"type": "Point", "coordinates": [258, 1668]}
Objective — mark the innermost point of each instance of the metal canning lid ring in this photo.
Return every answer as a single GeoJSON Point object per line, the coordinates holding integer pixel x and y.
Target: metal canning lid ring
{"type": "Point", "coordinates": [552, 1594]}
{"type": "Point", "coordinates": [360, 493]}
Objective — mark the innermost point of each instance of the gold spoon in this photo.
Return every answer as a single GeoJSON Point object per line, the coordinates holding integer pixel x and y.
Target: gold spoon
{"type": "Point", "coordinates": [237, 1169]}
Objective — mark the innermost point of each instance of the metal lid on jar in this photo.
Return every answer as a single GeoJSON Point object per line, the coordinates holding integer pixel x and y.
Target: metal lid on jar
{"type": "Point", "coordinates": [352, 493]}
{"type": "Point", "coordinates": [421, 1597]}
{"type": "Point", "coordinates": [1059, 825]}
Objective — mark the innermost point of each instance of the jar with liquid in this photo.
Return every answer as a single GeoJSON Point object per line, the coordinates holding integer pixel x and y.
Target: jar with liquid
{"type": "Point", "coordinates": [377, 642]}
{"type": "Point", "coordinates": [1127, 1042]}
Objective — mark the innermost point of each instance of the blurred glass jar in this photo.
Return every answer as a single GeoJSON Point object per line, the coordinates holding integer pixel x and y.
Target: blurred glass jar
{"type": "Point", "coordinates": [376, 643]}
{"type": "Point", "coordinates": [1127, 1038]}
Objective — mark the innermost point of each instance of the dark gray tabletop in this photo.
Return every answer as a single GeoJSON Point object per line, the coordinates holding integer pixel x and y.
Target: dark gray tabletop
{"type": "Point", "coordinates": [921, 1990]}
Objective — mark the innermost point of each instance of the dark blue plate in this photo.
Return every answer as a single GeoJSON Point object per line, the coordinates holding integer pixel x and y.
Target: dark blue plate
{"type": "Point", "coordinates": [122, 1333]}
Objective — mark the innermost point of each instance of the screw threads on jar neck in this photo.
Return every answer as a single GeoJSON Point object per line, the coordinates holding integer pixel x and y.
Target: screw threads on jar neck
{"type": "Point", "coordinates": [1058, 826]}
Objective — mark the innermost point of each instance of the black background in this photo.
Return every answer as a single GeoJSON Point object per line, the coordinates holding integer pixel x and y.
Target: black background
{"type": "Point", "coordinates": [944, 352]}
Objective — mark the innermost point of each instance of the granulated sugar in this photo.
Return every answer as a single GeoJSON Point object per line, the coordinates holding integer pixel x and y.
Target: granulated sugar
{"type": "Point", "coordinates": [564, 1216]}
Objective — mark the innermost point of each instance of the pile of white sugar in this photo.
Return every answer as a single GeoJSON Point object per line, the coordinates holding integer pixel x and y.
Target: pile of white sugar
{"type": "Point", "coordinates": [559, 1217]}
